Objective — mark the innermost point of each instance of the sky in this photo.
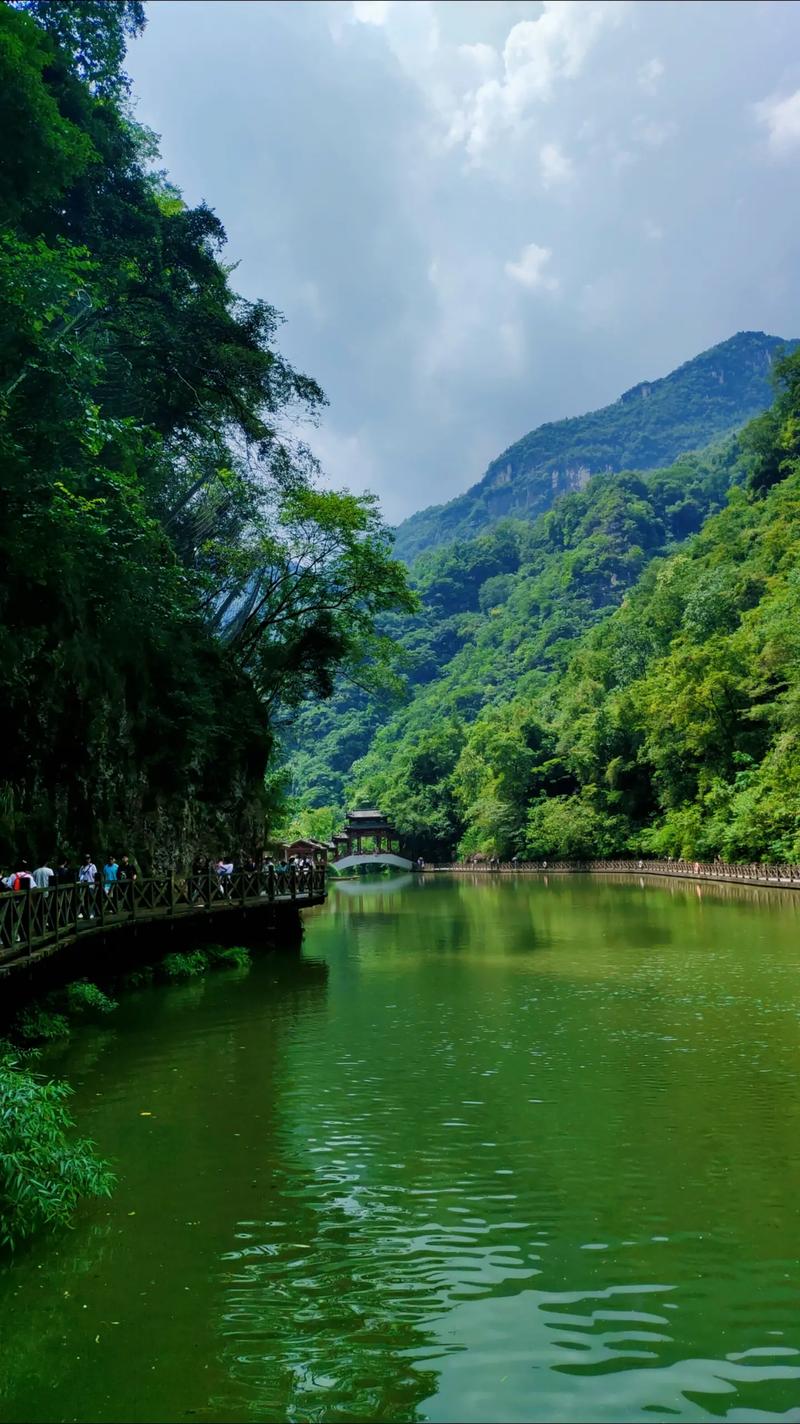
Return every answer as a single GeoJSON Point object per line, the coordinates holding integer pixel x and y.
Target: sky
{"type": "Point", "coordinates": [476, 217]}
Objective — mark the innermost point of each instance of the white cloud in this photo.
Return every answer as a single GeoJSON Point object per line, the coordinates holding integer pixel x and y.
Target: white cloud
{"type": "Point", "coordinates": [649, 75]}
{"type": "Point", "coordinates": [371, 12]}
{"type": "Point", "coordinates": [530, 269]}
{"type": "Point", "coordinates": [555, 166]}
{"type": "Point", "coordinates": [781, 118]}
{"type": "Point", "coordinates": [482, 92]}
{"type": "Point", "coordinates": [537, 55]}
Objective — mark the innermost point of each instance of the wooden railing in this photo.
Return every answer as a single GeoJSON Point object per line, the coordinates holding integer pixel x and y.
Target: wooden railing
{"type": "Point", "coordinates": [753, 874]}
{"type": "Point", "coordinates": [32, 920]}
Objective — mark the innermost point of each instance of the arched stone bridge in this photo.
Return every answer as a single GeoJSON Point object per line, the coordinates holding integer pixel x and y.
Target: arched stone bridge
{"type": "Point", "coordinates": [372, 857]}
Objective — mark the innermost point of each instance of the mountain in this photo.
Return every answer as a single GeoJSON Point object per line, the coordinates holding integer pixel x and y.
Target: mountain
{"type": "Point", "coordinates": [498, 618]}
{"type": "Point", "coordinates": [621, 672]}
{"type": "Point", "coordinates": [650, 426]}
{"type": "Point", "coordinates": [620, 675]}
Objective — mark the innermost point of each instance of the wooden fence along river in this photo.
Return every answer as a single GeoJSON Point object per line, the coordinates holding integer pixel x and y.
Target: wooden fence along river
{"type": "Point", "coordinates": [35, 921]}
{"type": "Point", "coordinates": [782, 876]}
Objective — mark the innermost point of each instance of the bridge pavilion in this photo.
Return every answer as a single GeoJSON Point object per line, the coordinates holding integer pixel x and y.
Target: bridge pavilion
{"type": "Point", "coordinates": [367, 824]}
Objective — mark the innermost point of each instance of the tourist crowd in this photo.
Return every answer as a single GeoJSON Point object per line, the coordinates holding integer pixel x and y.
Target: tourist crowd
{"type": "Point", "coordinates": [117, 874]}
{"type": "Point", "coordinates": [44, 877]}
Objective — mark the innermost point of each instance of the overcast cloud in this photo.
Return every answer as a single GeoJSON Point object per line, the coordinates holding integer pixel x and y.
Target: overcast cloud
{"type": "Point", "coordinates": [480, 216]}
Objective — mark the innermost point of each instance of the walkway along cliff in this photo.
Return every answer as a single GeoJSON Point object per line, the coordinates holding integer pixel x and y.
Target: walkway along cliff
{"type": "Point", "coordinates": [37, 924]}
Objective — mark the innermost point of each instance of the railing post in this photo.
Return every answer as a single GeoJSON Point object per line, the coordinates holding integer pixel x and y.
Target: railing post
{"type": "Point", "coordinates": [293, 881]}
{"type": "Point", "coordinates": [172, 894]}
{"type": "Point", "coordinates": [271, 883]}
{"type": "Point", "coordinates": [208, 888]}
{"type": "Point", "coordinates": [29, 920]}
{"type": "Point", "coordinates": [100, 892]}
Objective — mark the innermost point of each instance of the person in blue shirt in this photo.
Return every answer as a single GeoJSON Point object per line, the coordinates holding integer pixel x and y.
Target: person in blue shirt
{"type": "Point", "coordinates": [110, 873]}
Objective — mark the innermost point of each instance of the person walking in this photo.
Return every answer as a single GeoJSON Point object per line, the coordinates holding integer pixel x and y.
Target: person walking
{"type": "Point", "coordinates": [87, 879]}
{"type": "Point", "coordinates": [224, 873]}
{"type": "Point", "coordinates": [110, 873]}
{"type": "Point", "coordinates": [43, 878]}
{"type": "Point", "coordinates": [127, 876]}
{"type": "Point", "coordinates": [200, 883]}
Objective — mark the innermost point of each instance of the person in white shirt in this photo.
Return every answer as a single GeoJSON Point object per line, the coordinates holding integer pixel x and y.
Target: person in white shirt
{"type": "Point", "coordinates": [224, 873]}
{"type": "Point", "coordinates": [87, 875]}
{"type": "Point", "coordinates": [43, 877]}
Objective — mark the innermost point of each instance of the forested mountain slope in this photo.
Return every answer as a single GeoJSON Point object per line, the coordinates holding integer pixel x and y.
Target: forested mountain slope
{"type": "Point", "coordinates": [622, 673]}
{"type": "Point", "coordinates": [671, 725]}
{"type": "Point", "coordinates": [650, 425]}
{"type": "Point", "coordinates": [498, 615]}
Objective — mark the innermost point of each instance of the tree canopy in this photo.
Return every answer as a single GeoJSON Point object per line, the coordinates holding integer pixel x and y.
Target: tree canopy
{"type": "Point", "coordinates": [174, 571]}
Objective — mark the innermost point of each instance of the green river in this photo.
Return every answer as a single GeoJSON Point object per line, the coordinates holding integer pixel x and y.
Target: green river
{"type": "Point", "coordinates": [489, 1148]}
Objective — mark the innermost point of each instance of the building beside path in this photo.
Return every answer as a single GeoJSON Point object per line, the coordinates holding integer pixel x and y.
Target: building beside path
{"type": "Point", "coordinates": [317, 851]}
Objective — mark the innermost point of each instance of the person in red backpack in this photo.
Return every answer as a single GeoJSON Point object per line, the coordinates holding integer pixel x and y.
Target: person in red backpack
{"type": "Point", "coordinates": [23, 880]}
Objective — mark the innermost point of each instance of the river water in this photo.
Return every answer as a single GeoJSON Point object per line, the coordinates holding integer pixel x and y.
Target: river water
{"type": "Point", "coordinates": [488, 1149]}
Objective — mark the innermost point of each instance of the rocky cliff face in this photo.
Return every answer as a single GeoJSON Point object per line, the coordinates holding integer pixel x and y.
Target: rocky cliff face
{"type": "Point", "coordinates": [650, 425]}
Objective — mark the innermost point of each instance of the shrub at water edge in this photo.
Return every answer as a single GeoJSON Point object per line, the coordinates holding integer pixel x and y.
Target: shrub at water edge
{"type": "Point", "coordinates": [44, 1172]}
{"type": "Point", "coordinates": [38, 1024]}
{"type": "Point", "coordinates": [83, 997]}
{"type": "Point", "coordinates": [199, 961]}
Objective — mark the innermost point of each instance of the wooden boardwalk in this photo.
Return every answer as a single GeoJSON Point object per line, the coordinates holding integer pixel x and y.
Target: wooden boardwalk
{"type": "Point", "coordinates": [785, 877]}
{"type": "Point", "coordinates": [35, 923]}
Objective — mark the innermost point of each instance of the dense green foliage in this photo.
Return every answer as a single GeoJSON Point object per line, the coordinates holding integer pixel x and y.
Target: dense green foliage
{"type": "Point", "coordinates": [44, 1169]}
{"type": "Point", "coordinates": [42, 1020]}
{"type": "Point", "coordinates": [620, 674]}
{"type": "Point", "coordinates": [172, 571]}
{"type": "Point", "coordinates": [650, 425]}
{"type": "Point", "coordinates": [499, 616]}
{"type": "Point", "coordinates": [190, 964]}
{"type": "Point", "coordinates": [39, 1023]}
{"type": "Point", "coordinates": [83, 998]}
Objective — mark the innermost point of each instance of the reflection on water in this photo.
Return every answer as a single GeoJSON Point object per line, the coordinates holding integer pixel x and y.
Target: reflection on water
{"type": "Point", "coordinates": [361, 888]}
{"type": "Point", "coordinates": [503, 1150]}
